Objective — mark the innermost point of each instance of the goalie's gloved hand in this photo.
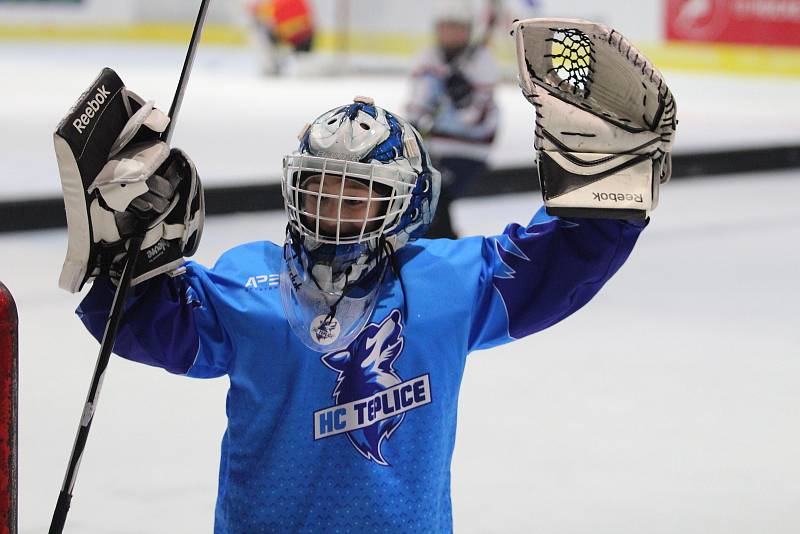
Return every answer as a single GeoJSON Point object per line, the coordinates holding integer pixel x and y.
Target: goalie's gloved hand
{"type": "Point", "coordinates": [605, 119]}
{"type": "Point", "coordinates": [139, 186]}
{"type": "Point", "coordinates": [162, 190]}
{"type": "Point", "coordinates": [121, 180]}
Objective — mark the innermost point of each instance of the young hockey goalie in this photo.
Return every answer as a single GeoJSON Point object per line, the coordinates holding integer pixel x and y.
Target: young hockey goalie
{"type": "Point", "coordinates": [345, 346]}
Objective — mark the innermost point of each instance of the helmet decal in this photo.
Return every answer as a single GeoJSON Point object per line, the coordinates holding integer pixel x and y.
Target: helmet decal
{"type": "Point", "coordinates": [392, 148]}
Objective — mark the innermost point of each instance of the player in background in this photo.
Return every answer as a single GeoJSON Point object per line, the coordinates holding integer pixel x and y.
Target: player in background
{"type": "Point", "coordinates": [451, 101]}
{"type": "Point", "coordinates": [345, 346]}
{"type": "Point", "coordinates": [283, 31]}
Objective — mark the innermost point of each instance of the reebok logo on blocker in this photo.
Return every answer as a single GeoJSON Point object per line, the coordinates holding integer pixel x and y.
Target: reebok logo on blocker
{"type": "Point", "coordinates": [92, 107]}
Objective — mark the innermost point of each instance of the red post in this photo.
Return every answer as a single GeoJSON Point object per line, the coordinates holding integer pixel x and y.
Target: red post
{"type": "Point", "coordinates": [8, 412]}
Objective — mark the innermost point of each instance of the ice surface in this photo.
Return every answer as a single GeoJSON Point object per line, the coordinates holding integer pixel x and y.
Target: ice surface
{"type": "Point", "coordinates": [669, 404]}
{"type": "Point", "coordinates": [237, 125]}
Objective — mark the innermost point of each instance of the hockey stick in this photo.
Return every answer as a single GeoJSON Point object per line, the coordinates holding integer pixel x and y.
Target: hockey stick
{"type": "Point", "coordinates": [493, 14]}
{"type": "Point", "coordinates": [115, 315]}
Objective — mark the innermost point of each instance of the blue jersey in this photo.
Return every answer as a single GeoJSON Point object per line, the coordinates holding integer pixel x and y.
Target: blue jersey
{"type": "Point", "coordinates": [358, 440]}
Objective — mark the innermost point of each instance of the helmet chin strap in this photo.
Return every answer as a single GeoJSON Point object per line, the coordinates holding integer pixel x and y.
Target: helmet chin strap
{"type": "Point", "coordinates": [396, 270]}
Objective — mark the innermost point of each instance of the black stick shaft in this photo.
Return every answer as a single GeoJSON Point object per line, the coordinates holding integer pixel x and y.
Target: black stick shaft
{"type": "Point", "coordinates": [188, 62]}
{"type": "Point", "coordinates": [109, 336]}
{"type": "Point", "coordinates": [115, 316]}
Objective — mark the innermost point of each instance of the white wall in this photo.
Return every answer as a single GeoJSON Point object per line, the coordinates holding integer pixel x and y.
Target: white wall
{"type": "Point", "coordinates": [114, 12]}
{"type": "Point", "coordinates": [87, 12]}
{"type": "Point", "coordinates": [220, 11]}
{"type": "Point", "coordinates": [639, 20]}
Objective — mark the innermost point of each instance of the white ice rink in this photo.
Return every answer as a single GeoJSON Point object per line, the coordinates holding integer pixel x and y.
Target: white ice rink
{"type": "Point", "coordinates": [670, 404]}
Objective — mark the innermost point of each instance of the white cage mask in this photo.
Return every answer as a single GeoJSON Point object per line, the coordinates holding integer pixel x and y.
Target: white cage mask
{"type": "Point", "coordinates": [345, 202]}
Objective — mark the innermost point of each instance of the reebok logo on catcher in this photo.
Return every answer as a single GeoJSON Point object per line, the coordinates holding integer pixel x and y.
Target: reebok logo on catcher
{"type": "Point", "coordinates": [618, 197]}
{"type": "Point", "coordinates": [371, 399]}
{"type": "Point", "coordinates": [92, 107]}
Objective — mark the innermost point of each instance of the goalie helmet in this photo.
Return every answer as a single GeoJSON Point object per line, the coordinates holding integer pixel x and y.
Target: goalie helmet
{"type": "Point", "coordinates": [360, 186]}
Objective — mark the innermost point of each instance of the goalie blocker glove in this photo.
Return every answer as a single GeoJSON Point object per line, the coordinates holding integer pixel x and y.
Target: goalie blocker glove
{"type": "Point", "coordinates": [119, 179]}
{"type": "Point", "coordinates": [605, 119]}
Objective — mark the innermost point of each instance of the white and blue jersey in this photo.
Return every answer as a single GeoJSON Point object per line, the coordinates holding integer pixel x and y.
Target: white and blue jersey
{"type": "Point", "coordinates": [357, 441]}
{"type": "Point", "coordinates": [456, 130]}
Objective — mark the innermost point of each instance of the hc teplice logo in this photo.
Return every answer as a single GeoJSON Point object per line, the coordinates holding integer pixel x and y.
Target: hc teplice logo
{"type": "Point", "coordinates": [371, 399]}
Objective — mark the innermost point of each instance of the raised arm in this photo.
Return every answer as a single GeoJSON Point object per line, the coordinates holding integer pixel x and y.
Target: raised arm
{"type": "Point", "coordinates": [605, 125]}
{"type": "Point", "coordinates": [121, 179]}
{"type": "Point", "coordinates": [537, 275]}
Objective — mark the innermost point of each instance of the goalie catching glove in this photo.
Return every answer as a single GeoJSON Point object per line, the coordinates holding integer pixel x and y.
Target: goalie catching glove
{"type": "Point", "coordinates": [119, 180]}
{"type": "Point", "coordinates": [605, 119]}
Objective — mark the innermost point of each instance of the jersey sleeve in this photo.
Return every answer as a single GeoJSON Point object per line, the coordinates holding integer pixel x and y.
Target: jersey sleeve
{"type": "Point", "coordinates": [171, 323]}
{"type": "Point", "coordinates": [534, 276]}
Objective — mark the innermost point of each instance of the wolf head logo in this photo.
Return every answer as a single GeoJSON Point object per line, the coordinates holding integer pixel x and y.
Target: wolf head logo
{"type": "Point", "coordinates": [366, 367]}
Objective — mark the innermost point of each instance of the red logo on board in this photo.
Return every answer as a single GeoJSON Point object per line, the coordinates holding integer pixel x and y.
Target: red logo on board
{"type": "Point", "coordinates": [698, 20]}
{"type": "Point", "coordinates": [760, 22]}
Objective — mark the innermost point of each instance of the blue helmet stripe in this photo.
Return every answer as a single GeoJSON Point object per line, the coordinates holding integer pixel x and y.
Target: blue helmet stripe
{"type": "Point", "coordinates": [392, 148]}
{"type": "Point", "coordinates": [352, 110]}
